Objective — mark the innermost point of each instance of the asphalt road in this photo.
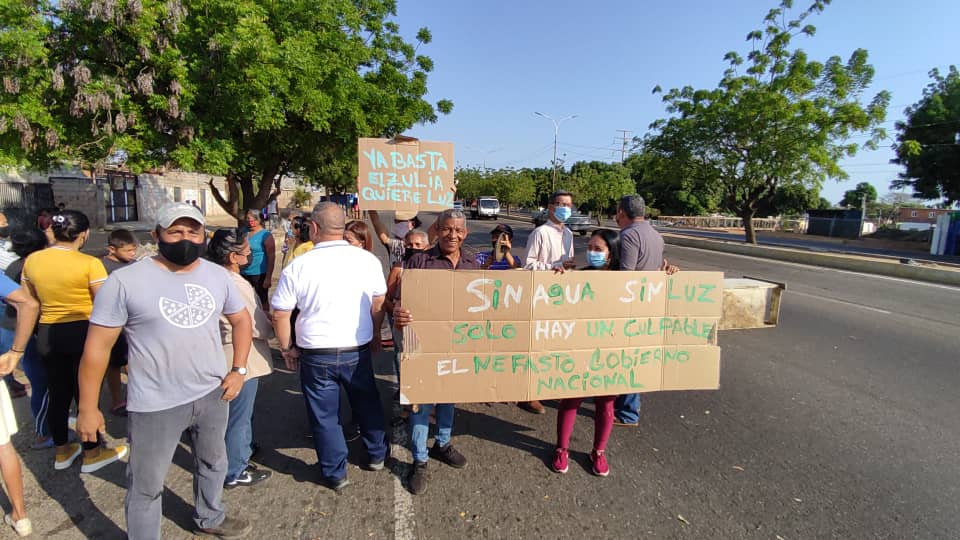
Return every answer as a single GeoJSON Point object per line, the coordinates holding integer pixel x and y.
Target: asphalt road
{"type": "Point", "coordinates": [840, 423]}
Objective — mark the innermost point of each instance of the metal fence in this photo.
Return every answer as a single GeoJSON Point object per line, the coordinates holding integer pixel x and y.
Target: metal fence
{"type": "Point", "coordinates": [720, 222]}
{"type": "Point", "coordinates": [20, 202]}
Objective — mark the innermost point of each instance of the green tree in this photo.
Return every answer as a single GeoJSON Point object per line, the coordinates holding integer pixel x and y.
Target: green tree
{"type": "Point", "coordinates": [28, 132]}
{"type": "Point", "coordinates": [251, 89]}
{"type": "Point", "coordinates": [675, 187]}
{"type": "Point", "coordinates": [512, 187]}
{"type": "Point", "coordinates": [784, 119]}
{"type": "Point", "coordinates": [792, 200]}
{"type": "Point", "coordinates": [928, 141]}
{"type": "Point", "coordinates": [854, 197]}
{"type": "Point", "coordinates": [471, 183]}
{"type": "Point", "coordinates": [597, 186]}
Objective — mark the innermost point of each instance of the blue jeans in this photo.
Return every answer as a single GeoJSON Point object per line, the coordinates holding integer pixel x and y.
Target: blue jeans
{"type": "Point", "coordinates": [239, 437]}
{"type": "Point", "coordinates": [321, 376]}
{"type": "Point", "coordinates": [37, 375]}
{"type": "Point", "coordinates": [420, 429]}
{"type": "Point", "coordinates": [626, 408]}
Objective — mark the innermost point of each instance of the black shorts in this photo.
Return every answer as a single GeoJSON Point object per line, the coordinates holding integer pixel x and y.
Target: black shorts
{"type": "Point", "coordinates": [118, 355]}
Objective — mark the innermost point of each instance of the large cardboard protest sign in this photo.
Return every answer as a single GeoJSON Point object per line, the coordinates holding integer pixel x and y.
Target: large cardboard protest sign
{"type": "Point", "coordinates": [405, 174]}
{"type": "Point", "coordinates": [483, 336]}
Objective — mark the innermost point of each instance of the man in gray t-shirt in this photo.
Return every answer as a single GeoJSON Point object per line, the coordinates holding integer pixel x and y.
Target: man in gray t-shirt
{"type": "Point", "coordinates": [163, 315]}
{"type": "Point", "coordinates": [169, 308]}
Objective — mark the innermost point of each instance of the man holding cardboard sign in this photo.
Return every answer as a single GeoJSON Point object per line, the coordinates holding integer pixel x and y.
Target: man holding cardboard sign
{"type": "Point", "coordinates": [447, 254]}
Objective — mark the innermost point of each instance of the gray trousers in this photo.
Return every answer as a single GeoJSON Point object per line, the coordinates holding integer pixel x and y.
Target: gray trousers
{"type": "Point", "coordinates": [154, 437]}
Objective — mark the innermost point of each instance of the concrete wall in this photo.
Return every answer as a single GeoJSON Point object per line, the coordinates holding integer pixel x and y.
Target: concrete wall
{"type": "Point", "coordinates": [73, 188]}
{"type": "Point", "coordinates": [155, 190]}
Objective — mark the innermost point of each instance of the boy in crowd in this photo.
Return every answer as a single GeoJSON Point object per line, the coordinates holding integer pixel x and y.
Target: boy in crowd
{"type": "Point", "coordinates": [121, 251]}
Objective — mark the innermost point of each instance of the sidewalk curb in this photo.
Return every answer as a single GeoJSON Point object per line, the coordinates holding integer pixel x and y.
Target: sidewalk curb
{"type": "Point", "coordinates": [866, 266]}
{"type": "Point", "coordinates": [811, 258]}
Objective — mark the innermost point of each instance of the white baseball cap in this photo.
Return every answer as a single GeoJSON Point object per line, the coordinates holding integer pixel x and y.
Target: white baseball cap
{"type": "Point", "coordinates": [173, 211]}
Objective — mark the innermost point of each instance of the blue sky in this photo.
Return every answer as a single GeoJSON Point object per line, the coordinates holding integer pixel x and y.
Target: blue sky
{"type": "Point", "coordinates": [500, 61]}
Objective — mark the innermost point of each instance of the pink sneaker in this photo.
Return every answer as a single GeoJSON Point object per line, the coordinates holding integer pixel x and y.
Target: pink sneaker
{"type": "Point", "coordinates": [599, 459]}
{"type": "Point", "coordinates": [560, 461]}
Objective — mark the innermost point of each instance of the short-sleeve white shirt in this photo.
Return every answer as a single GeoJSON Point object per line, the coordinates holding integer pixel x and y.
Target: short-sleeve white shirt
{"type": "Point", "coordinates": [334, 285]}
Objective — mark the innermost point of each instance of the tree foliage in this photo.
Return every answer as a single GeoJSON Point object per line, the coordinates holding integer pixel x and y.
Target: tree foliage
{"type": "Point", "coordinates": [28, 132]}
{"type": "Point", "coordinates": [928, 141]}
{"type": "Point", "coordinates": [671, 183]}
{"type": "Point", "coordinates": [512, 187]}
{"type": "Point", "coordinates": [597, 186]}
{"type": "Point", "coordinates": [251, 89]}
{"type": "Point", "coordinates": [776, 118]}
{"type": "Point", "coordinates": [854, 197]}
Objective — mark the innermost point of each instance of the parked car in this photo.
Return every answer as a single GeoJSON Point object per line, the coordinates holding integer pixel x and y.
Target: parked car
{"type": "Point", "coordinates": [485, 207]}
{"type": "Point", "coordinates": [458, 205]}
{"type": "Point", "coordinates": [577, 222]}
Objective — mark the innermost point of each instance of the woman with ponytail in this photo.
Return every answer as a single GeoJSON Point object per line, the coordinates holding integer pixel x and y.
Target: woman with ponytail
{"type": "Point", "coordinates": [65, 281]}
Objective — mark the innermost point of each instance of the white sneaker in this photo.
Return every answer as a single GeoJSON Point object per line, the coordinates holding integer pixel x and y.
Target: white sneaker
{"type": "Point", "coordinates": [22, 527]}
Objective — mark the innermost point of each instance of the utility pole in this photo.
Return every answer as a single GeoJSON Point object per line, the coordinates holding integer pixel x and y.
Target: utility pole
{"type": "Point", "coordinates": [556, 131]}
{"type": "Point", "coordinates": [863, 213]}
{"type": "Point", "coordinates": [623, 148]}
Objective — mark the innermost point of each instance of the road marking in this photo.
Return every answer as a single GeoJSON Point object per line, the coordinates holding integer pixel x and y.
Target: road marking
{"type": "Point", "coordinates": [404, 523]}
{"type": "Point", "coordinates": [828, 299]}
{"type": "Point", "coordinates": [786, 263]}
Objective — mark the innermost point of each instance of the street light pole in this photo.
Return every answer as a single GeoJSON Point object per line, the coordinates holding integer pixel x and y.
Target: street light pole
{"type": "Point", "coordinates": [556, 132]}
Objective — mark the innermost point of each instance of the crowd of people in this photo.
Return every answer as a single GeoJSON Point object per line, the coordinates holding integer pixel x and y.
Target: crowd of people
{"type": "Point", "coordinates": [74, 320]}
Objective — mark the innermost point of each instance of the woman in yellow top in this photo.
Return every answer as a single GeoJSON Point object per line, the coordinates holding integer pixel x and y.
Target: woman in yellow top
{"type": "Point", "coordinates": [65, 281]}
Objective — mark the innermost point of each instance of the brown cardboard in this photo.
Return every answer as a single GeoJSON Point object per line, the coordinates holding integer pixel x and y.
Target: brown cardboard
{"type": "Point", "coordinates": [405, 174]}
{"type": "Point", "coordinates": [519, 335]}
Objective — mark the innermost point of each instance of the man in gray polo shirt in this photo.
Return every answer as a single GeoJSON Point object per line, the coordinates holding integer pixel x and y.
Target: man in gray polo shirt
{"type": "Point", "coordinates": [641, 248]}
{"type": "Point", "coordinates": [169, 307]}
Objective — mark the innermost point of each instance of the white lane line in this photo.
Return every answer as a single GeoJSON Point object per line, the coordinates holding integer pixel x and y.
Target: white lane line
{"type": "Point", "coordinates": [787, 263]}
{"type": "Point", "coordinates": [861, 306]}
{"type": "Point", "coordinates": [404, 522]}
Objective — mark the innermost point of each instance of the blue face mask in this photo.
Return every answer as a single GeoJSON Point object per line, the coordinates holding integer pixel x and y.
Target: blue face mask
{"type": "Point", "coordinates": [562, 213]}
{"type": "Point", "coordinates": [596, 259]}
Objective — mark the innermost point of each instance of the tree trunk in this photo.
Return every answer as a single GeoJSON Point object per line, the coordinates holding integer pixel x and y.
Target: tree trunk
{"type": "Point", "coordinates": [242, 196]}
{"type": "Point", "coordinates": [750, 236]}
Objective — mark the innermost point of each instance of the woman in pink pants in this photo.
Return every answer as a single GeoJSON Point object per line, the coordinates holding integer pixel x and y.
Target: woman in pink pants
{"type": "Point", "coordinates": [602, 254]}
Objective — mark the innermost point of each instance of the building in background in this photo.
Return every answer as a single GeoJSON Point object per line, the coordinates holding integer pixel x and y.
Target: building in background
{"type": "Point", "coordinates": [919, 219]}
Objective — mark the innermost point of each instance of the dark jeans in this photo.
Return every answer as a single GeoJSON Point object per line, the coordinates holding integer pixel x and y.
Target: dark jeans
{"type": "Point", "coordinates": [61, 346]}
{"type": "Point", "coordinates": [259, 287]}
{"type": "Point", "coordinates": [154, 437]}
{"type": "Point", "coordinates": [321, 375]}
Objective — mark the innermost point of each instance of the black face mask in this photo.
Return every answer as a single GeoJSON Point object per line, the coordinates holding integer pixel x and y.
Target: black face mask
{"type": "Point", "coordinates": [182, 253]}
{"type": "Point", "coordinates": [410, 252]}
{"type": "Point", "coordinates": [4, 231]}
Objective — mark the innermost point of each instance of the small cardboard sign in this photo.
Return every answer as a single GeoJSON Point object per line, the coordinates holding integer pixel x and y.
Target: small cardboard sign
{"type": "Point", "coordinates": [484, 336]}
{"type": "Point", "coordinates": [404, 173]}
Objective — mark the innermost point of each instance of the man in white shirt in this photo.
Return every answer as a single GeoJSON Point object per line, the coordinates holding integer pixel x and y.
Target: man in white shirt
{"type": "Point", "coordinates": [340, 292]}
{"type": "Point", "coordinates": [550, 247]}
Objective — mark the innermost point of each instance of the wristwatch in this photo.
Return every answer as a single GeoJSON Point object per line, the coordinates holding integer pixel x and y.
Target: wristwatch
{"type": "Point", "coordinates": [240, 370]}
